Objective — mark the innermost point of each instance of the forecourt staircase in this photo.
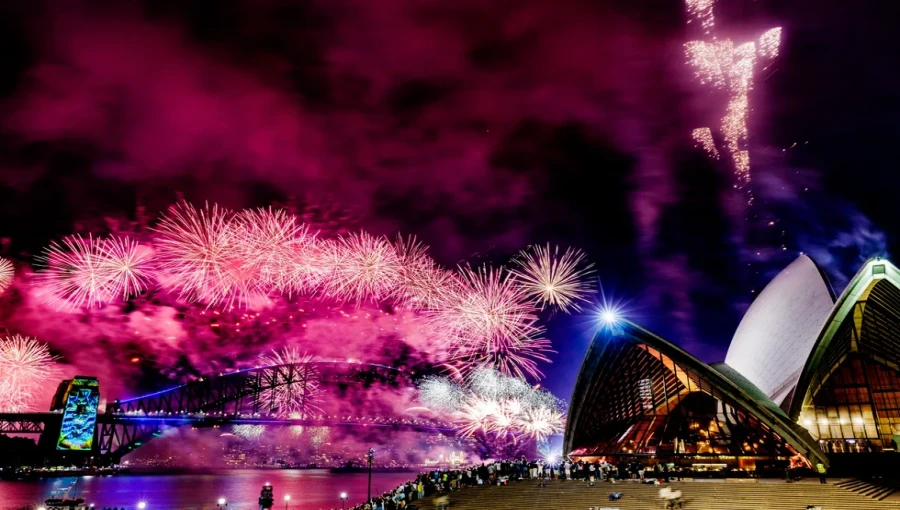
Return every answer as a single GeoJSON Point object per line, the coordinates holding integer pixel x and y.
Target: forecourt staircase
{"type": "Point", "coordinates": [699, 495]}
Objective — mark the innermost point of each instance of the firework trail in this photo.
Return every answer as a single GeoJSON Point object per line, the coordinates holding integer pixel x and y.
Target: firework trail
{"type": "Point", "coordinates": [726, 66]}
{"type": "Point", "coordinates": [440, 394]}
{"type": "Point", "coordinates": [704, 137]}
{"type": "Point", "coordinates": [25, 366]}
{"type": "Point", "coordinates": [298, 396]}
{"type": "Point", "coordinates": [553, 279]}
{"type": "Point", "coordinates": [490, 403]}
{"type": "Point", "coordinates": [7, 273]}
{"type": "Point", "coordinates": [701, 11]}
{"type": "Point", "coordinates": [317, 436]}
{"type": "Point", "coordinates": [248, 432]}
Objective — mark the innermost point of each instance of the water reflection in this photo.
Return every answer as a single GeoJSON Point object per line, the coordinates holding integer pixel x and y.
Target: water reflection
{"type": "Point", "coordinates": [308, 489]}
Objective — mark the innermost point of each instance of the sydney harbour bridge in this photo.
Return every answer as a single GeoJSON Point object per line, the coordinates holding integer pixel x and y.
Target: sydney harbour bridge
{"type": "Point", "coordinates": [235, 398]}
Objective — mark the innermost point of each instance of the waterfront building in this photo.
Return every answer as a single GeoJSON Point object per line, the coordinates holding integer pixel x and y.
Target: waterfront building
{"type": "Point", "coordinates": [806, 377]}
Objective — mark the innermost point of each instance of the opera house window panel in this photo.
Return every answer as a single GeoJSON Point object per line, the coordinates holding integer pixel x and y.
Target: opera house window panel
{"type": "Point", "coordinates": [640, 396]}
{"type": "Point", "coordinates": [852, 401]}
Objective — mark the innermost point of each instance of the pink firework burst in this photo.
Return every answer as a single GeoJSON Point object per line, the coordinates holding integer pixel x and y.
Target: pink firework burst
{"type": "Point", "coordinates": [266, 240]}
{"type": "Point", "coordinates": [200, 257]}
{"type": "Point", "coordinates": [25, 365]}
{"type": "Point", "coordinates": [292, 384]}
{"type": "Point", "coordinates": [518, 359]}
{"type": "Point", "coordinates": [309, 267]}
{"type": "Point", "coordinates": [366, 268]}
{"type": "Point", "coordinates": [88, 272]}
{"type": "Point", "coordinates": [425, 285]}
{"type": "Point", "coordinates": [75, 273]}
{"type": "Point", "coordinates": [541, 422]}
{"type": "Point", "coordinates": [486, 313]}
{"type": "Point", "coordinates": [127, 266]}
{"type": "Point", "coordinates": [7, 273]}
{"type": "Point", "coordinates": [554, 278]}
{"type": "Point", "coordinates": [477, 415]}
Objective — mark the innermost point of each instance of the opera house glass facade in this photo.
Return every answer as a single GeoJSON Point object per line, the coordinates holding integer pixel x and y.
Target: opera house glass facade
{"type": "Point", "coordinates": [806, 376]}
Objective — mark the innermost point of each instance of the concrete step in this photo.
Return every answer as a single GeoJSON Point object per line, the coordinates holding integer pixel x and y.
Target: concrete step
{"type": "Point", "coordinates": [869, 489]}
{"type": "Point", "coordinates": [565, 495]}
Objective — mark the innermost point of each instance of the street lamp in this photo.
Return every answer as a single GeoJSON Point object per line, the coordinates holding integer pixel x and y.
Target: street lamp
{"type": "Point", "coordinates": [371, 458]}
{"type": "Point", "coordinates": [343, 498]}
{"type": "Point", "coordinates": [287, 498]}
{"type": "Point", "coordinates": [222, 503]}
{"type": "Point", "coordinates": [142, 505]}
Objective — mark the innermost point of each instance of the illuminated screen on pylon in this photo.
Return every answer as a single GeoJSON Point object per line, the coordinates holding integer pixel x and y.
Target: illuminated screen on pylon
{"type": "Point", "coordinates": [79, 415]}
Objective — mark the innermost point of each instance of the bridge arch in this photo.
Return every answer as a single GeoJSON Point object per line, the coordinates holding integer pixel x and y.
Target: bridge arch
{"type": "Point", "coordinates": [243, 396]}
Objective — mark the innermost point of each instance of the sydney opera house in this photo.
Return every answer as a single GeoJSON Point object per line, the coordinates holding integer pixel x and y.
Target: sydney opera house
{"type": "Point", "coordinates": [807, 378]}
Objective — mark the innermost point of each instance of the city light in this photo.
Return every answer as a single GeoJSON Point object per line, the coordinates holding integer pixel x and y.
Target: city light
{"type": "Point", "coordinates": [221, 501]}
{"type": "Point", "coordinates": [142, 505]}
{"type": "Point", "coordinates": [343, 495]}
{"type": "Point", "coordinates": [287, 497]}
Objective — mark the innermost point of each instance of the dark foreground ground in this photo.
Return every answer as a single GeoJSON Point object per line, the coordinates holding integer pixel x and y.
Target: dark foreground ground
{"type": "Point", "coordinates": [698, 495]}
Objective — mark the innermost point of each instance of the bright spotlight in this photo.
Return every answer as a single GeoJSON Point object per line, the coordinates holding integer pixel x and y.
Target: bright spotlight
{"type": "Point", "coordinates": [287, 497]}
{"type": "Point", "coordinates": [142, 505]}
{"type": "Point", "coordinates": [609, 317]}
{"type": "Point", "coordinates": [343, 495]}
{"type": "Point", "coordinates": [221, 501]}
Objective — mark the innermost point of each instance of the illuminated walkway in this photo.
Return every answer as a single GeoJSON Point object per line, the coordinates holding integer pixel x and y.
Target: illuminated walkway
{"type": "Point", "coordinates": [699, 495]}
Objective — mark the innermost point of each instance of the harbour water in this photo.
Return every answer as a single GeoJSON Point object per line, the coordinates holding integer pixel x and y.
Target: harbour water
{"type": "Point", "coordinates": [309, 489]}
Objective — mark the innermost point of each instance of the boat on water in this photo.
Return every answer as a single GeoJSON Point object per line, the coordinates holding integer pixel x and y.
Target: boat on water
{"type": "Point", "coordinates": [66, 503]}
{"type": "Point", "coordinates": [61, 500]}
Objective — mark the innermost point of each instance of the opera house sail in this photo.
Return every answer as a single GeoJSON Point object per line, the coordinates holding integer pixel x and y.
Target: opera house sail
{"type": "Point", "coordinates": [776, 335]}
{"type": "Point", "coordinates": [638, 395]}
{"type": "Point", "coordinates": [805, 378]}
{"type": "Point", "coordinates": [850, 398]}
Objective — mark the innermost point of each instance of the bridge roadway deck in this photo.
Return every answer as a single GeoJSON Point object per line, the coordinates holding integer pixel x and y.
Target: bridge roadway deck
{"type": "Point", "coordinates": [698, 495]}
{"type": "Point", "coordinates": [34, 422]}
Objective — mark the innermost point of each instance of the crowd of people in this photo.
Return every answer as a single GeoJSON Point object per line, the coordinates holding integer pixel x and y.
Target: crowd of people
{"type": "Point", "coordinates": [444, 481]}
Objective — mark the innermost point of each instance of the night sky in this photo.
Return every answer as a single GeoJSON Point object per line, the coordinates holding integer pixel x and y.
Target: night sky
{"type": "Point", "coordinates": [478, 126]}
